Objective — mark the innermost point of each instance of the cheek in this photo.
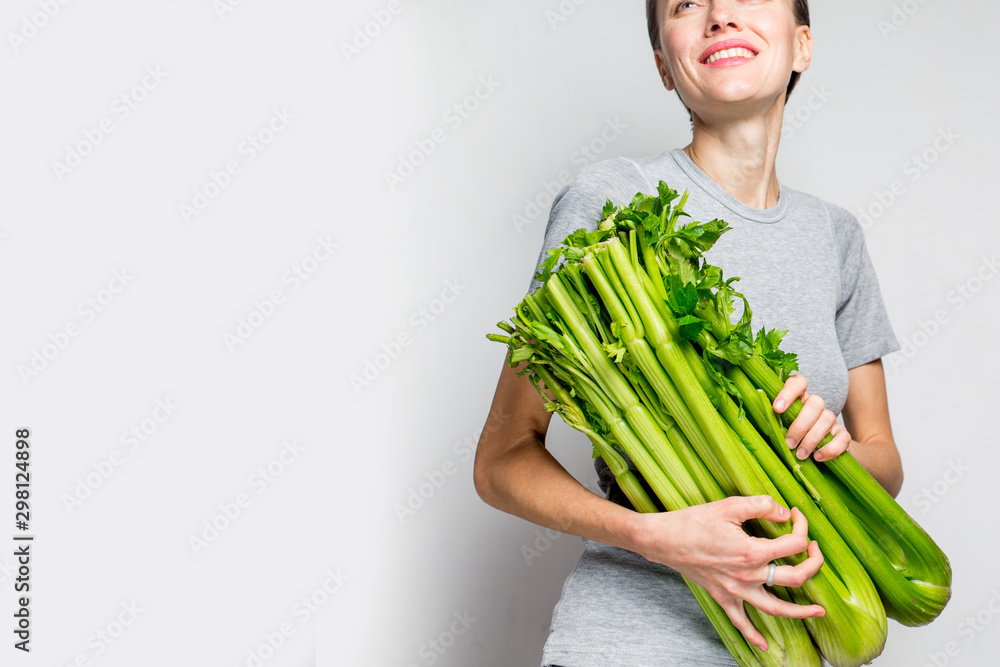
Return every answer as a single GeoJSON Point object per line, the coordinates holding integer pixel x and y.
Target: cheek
{"type": "Point", "coordinates": [676, 42]}
{"type": "Point", "coordinates": [673, 46]}
{"type": "Point", "coordinates": [782, 36]}
{"type": "Point", "coordinates": [669, 57]}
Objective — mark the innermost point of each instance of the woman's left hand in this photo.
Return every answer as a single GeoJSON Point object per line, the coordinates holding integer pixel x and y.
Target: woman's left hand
{"type": "Point", "coordinates": [813, 422]}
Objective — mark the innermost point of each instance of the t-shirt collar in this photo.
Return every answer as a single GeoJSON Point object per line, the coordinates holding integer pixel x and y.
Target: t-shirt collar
{"type": "Point", "coordinates": [766, 215]}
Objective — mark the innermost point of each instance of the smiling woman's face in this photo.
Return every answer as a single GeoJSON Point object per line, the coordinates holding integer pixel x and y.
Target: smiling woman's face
{"type": "Point", "coordinates": [720, 52]}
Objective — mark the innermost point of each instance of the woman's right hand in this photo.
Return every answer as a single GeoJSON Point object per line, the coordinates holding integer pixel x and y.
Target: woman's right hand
{"type": "Point", "coordinates": [706, 543]}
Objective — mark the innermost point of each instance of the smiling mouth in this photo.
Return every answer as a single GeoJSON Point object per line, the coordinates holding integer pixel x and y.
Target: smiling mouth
{"type": "Point", "coordinates": [738, 52]}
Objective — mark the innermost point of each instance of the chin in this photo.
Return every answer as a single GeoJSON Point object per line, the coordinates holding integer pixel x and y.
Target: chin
{"type": "Point", "coordinates": [734, 91]}
{"type": "Point", "coordinates": [738, 96]}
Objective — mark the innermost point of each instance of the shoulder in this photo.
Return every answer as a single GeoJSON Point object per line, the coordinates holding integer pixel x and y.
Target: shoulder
{"type": "Point", "coordinates": [580, 202]}
{"type": "Point", "coordinates": [608, 176]}
{"type": "Point", "coordinates": [621, 178]}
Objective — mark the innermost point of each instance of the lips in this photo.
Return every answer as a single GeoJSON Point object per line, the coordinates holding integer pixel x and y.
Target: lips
{"type": "Point", "coordinates": [732, 47]}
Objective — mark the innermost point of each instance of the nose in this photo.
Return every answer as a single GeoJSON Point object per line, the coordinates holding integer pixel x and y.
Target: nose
{"type": "Point", "coordinates": [721, 15]}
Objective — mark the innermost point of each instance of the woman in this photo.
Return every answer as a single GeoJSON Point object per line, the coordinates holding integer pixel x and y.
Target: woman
{"type": "Point", "coordinates": [803, 267]}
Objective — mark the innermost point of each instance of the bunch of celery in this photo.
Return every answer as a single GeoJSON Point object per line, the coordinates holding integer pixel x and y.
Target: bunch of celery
{"type": "Point", "coordinates": [631, 333]}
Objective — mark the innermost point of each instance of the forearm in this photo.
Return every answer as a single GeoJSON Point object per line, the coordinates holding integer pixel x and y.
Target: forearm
{"type": "Point", "coordinates": [528, 482]}
{"type": "Point", "coordinates": [881, 460]}
{"type": "Point", "coordinates": [866, 417]}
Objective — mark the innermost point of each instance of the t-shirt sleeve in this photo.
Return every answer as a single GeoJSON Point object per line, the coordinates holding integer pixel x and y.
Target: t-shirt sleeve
{"type": "Point", "coordinates": [579, 204]}
{"type": "Point", "coordinates": [863, 328]}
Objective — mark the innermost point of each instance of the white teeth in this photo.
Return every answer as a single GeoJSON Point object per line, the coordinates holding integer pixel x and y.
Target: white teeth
{"type": "Point", "coordinates": [738, 52]}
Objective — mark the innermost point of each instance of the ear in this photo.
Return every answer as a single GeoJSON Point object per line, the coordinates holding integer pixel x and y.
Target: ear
{"type": "Point", "coordinates": [803, 48]}
{"type": "Point", "coordinates": [661, 67]}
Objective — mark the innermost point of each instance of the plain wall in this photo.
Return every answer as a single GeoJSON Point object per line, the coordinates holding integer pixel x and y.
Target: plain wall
{"type": "Point", "coordinates": [420, 270]}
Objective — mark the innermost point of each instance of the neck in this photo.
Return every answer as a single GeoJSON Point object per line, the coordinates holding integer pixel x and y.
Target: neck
{"type": "Point", "coordinates": [739, 154]}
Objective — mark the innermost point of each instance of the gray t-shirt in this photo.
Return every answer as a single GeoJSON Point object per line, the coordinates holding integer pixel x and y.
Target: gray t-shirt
{"type": "Point", "coordinates": [803, 266]}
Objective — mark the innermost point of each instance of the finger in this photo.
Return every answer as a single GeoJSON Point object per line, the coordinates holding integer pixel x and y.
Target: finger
{"type": "Point", "coordinates": [738, 615]}
{"type": "Point", "coordinates": [769, 603]}
{"type": "Point", "coordinates": [800, 524]}
{"type": "Point", "coordinates": [789, 544]}
{"type": "Point", "coordinates": [811, 411]}
{"type": "Point", "coordinates": [797, 575]}
{"type": "Point", "coordinates": [794, 387]}
{"type": "Point", "coordinates": [744, 508]}
{"type": "Point", "coordinates": [818, 431]}
{"type": "Point", "coordinates": [840, 444]}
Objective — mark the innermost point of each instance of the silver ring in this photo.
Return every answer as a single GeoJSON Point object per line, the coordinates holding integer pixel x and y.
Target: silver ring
{"type": "Point", "coordinates": [770, 573]}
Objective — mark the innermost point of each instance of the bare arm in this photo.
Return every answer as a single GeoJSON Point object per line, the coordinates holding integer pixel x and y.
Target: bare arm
{"type": "Point", "coordinates": [866, 415]}
{"type": "Point", "coordinates": [515, 473]}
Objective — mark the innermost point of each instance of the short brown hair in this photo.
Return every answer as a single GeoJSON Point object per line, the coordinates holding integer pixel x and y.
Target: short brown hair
{"type": "Point", "coordinates": [799, 7]}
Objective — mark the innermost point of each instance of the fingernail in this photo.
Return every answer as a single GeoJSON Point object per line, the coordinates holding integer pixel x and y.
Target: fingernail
{"type": "Point", "coordinates": [779, 404]}
{"type": "Point", "coordinates": [801, 454]}
{"type": "Point", "coordinates": [789, 442]}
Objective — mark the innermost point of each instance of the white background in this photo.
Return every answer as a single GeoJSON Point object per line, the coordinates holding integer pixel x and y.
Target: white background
{"type": "Point", "coordinates": [333, 508]}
